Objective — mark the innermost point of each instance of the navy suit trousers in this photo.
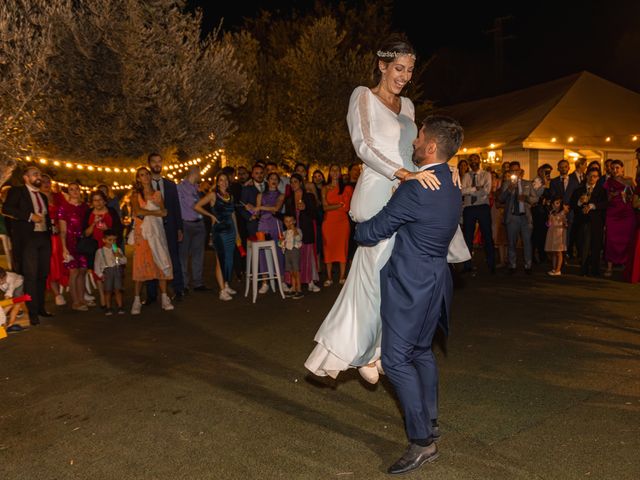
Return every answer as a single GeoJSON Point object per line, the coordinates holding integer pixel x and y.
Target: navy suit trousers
{"type": "Point", "coordinates": [413, 372]}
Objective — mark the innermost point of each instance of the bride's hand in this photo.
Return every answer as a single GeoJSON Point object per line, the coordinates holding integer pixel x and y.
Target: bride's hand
{"type": "Point", "coordinates": [455, 176]}
{"type": "Point", "coordinates": [426, 178]}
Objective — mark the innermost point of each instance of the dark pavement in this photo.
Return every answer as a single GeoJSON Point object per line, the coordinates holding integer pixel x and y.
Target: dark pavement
{"type": "Point", "coordinates": [541, 380]}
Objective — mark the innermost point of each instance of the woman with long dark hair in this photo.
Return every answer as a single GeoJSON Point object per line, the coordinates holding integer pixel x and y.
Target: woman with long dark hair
{"type": "Point", "coordinates": [268, 206]}
{"type": "Point", "coordinates": [336, 201]}
{"type": "Point", "coordinates": [301, 205]}
{"type": "Point", "coordinates": [620, 219]}
{"type": "Point", "coordinates": [225, 231]}
{"type": "Point", "coordinates": [151, 260]}
{"type": "Point", "coordinates": [71, 214]}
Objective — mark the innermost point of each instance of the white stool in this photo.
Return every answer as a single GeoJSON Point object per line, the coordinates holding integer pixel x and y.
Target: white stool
{"type": "Point", "coordinates": [6, 246]}
{"type": "Point", "coordinates": [253, 267]}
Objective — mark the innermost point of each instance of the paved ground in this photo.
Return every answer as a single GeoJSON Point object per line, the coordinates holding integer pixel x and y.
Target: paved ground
{"type": "Point", "coordinates": [541, 380]}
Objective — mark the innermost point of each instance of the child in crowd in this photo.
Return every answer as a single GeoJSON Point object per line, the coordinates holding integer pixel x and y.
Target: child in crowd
{"type": "Point", "coordinates": [291, 244]}
{"type": "Point", "coordinates": [109, 267]}
{"type": "Point", "coordinates": [12, 285]}
{"type": "Point", "coordinates": [556, 242]}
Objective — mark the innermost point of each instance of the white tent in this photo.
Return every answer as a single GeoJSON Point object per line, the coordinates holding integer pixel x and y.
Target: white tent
{"type": "Point", "coordinates": [574, 116]}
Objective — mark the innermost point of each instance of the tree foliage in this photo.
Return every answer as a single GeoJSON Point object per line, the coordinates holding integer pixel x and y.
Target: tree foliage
{"type": "Point", "coordinates": [26, 33]}
{"type": "Point", "coordinates": [303, 69]}
{"type": "Point", "coordinates": [121, 78]}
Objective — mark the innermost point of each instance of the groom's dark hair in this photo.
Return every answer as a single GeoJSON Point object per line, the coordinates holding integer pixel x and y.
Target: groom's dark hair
{"type": "Point", "coordinates": [447, 133]}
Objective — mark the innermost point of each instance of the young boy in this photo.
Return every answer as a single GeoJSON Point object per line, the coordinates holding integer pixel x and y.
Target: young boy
{"type": "Point", "coordinates": [12, 285]}
{"type": "Point", "coordinates": [291, 244]}
{"type": "Point", "coordinates": [109, 266]}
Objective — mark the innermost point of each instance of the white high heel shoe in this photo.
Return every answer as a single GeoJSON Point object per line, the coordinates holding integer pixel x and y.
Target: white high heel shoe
{"type": "Point", "coordinates": [369, 373]}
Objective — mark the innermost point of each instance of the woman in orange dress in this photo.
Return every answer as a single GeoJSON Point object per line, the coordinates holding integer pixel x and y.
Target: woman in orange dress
{"type": "Point", "coordinates": [151, 258]}
{"type": "Point", "coordinates": [336, 201]}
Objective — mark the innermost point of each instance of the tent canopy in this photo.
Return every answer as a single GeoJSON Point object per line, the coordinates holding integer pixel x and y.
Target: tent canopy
{"type": "Point", "coordinates": [579, 111]}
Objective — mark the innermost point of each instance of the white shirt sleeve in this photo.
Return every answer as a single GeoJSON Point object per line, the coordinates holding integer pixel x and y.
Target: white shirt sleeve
{"type": "Point", "coordinates": [359, 120]}
{"type": "Point", "coordinates": [98, 264]}
{"type": "Point", "coordinates": [484, 181]}
{"type": "Point", "coordinates": [467, 189]}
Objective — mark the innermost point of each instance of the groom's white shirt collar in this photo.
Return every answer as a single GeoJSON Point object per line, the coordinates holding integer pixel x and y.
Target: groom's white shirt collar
{"type": "Point", "coordinates": [424, 167]}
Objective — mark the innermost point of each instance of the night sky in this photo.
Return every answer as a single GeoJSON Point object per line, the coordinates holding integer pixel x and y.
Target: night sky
{"type": "Point", "coordinates": [546, 40]}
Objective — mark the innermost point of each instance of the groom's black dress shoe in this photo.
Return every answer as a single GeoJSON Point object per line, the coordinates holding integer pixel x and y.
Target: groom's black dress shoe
{"type": "Point", "coordinates": [44, 313]}
{"type": "Point", "coordinates": [413, 458]}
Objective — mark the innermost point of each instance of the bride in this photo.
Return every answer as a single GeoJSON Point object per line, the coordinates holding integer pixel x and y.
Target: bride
{"type": "Point", "coordinates": [382, 128]}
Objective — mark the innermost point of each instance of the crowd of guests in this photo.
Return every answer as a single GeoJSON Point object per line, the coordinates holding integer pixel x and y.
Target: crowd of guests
{"type": "Point", "coordinates": [590, 216]}
{"type": "Point", "coordinates": [62, 240]}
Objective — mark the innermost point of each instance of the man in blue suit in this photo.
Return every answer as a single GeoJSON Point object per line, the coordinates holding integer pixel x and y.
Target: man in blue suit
{"type": "Point", "coordinates": [416, 283]}
{"type": "Point", "coordinates": [173, 227]}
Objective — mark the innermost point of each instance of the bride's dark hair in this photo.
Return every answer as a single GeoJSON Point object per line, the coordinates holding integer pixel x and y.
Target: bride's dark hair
{"type": "Point", "coordinates": [393, 46]}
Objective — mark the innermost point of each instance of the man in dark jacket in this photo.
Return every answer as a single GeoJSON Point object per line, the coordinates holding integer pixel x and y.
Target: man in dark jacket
{"type": "Point", "coordinates": [31, 239]}
{"type": "Point", "coordinates": [589, 204]}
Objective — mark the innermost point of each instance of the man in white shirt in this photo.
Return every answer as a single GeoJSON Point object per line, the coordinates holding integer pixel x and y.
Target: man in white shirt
{"type": "Point", "coordinates": [476, 187]}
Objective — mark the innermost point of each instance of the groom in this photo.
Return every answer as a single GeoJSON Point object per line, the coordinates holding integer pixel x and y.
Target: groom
{"type": "Point", "coordinates": [416, 284]}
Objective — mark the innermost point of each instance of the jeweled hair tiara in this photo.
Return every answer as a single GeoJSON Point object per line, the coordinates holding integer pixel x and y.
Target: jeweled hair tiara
{"type": "Point", "coordinates": [393, 54]}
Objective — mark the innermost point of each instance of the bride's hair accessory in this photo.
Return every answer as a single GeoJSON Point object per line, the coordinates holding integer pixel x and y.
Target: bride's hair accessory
{"type": "Point", "coordinates": [393, 54]}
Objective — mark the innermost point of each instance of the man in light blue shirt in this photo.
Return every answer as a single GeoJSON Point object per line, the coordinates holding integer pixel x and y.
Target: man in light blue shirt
{"type": "Point", "coordinates": [194, 232]}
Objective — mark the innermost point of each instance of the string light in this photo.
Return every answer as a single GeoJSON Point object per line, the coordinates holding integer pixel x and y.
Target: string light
{"type": "Point", "coordinates": [119, 168]}
{"type": "Point", "coordinates": [554, 140]}
{"type": "Point", "coordinates": [174, 168]}
{"type": "Point", "coordinates": [570, 139]}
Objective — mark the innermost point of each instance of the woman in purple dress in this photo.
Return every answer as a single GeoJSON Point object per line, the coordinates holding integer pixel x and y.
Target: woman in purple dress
{"type": "Point", "coordinates": [621, 219]}
{"type": "Point", "coordinates": [268, 205]}
{"type": "Point", "coordinates": [71, 215]}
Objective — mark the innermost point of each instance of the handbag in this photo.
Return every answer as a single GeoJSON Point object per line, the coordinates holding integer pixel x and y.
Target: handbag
{"type": "Point", "coordinates": [87, 246]}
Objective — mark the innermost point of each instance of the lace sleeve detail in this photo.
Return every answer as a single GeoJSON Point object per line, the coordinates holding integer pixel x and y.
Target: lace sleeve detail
{"type": "Point", "coordinates": [359, 120]}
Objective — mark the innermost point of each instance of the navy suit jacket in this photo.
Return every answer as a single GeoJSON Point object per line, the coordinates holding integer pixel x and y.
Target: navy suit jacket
{"type": "Point", "coordinates": [557, 188]}
{"type": "Point", "coordinates": [173, 220]}
{"type": "Point", "coordinates": [249, 195]}
{"type": "Point", "coordinates": [416, 284]}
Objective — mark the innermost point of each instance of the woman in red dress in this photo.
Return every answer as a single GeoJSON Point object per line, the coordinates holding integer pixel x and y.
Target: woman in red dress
{"type": "Point", "coordinates": [336, 201]}
{"type": "Point", "coordinates": [58, 274]}
{"type": "Point", "coordinates": [71, 215]}
{"type": "Point", "coordinates": [620, 219]}
{"type": "Point", "coordinates": [632, 269]}
{"type": "Point", "coordinates": [98, 219]}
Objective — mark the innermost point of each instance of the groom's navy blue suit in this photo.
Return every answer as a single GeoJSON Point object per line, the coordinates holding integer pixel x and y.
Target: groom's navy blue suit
{"type": "Point", "coordinates": [416, 290]}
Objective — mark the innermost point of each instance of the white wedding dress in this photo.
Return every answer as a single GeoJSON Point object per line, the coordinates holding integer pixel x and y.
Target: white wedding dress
{"type": "Point", "coordinates": [350, 334]}
{"type": "Point", "coordinates": [153, 232]}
